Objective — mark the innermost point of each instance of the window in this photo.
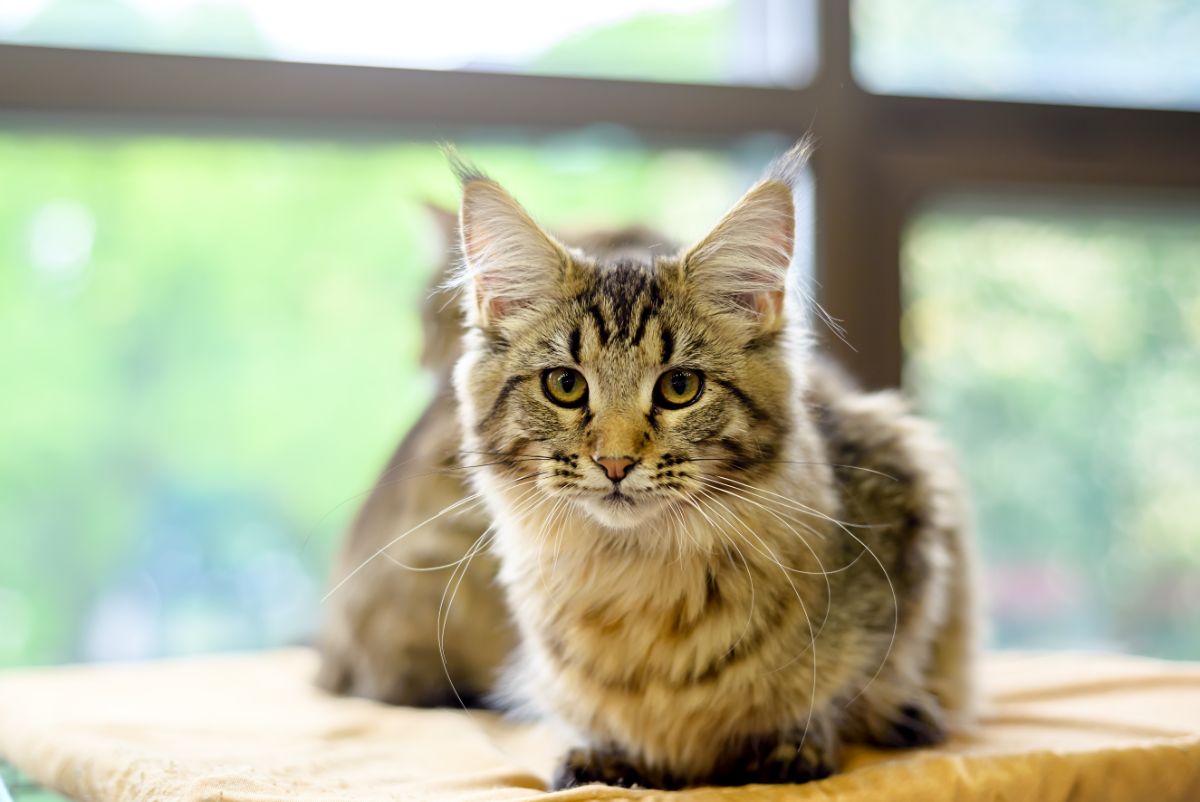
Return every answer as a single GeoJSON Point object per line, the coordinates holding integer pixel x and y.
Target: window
{"type": "Point", "coordinates": [1058, 344]}
{"type": "Point", "coordinates": [757, 42]}
{"type": "Point", "coordinates": [191, 250]}
{"type": "Point", "coordinates": [1117, 52]}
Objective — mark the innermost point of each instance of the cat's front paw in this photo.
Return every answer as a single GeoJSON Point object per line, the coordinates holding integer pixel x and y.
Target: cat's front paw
{"type": "Point", "coordinates": [795, 756]}
{"type": "Point", "coordinates": [911, 726]}
{"type": "Point", "coordinates": [607, 766]}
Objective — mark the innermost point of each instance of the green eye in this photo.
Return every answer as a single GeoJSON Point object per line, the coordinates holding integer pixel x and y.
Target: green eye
{"type": "Point", "coordinates": [565, 386]}
{"type": "Point", "coordinates": [678, 388]}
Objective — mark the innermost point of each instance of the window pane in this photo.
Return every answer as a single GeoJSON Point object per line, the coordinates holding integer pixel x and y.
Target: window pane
{"type": "Point", "coordinates": [1116, 52]}
{"type": "Point", "coordinates": [759, 42]}
{"type": "Point", "coordinates": [1060, 347]}
{"type": "Point", "coordinates": [211, 347]}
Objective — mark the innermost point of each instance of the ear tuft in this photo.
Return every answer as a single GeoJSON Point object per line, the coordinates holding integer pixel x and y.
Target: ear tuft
{"type": "Point", "coordinates": [463, 170]}
{"type": "Point", "coordinates": [510, 260]}
{"type": "Point", "coordinates": [741, 266]}
{"type": "Point", "coordinates": [789, 168]}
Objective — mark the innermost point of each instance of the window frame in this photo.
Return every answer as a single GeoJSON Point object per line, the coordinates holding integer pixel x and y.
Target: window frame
{"type": "Point", "coordinates": [878, 156]}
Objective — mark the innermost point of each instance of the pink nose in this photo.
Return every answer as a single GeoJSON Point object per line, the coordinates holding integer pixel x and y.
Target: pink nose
{"type": "Point", "coordinates": [614, 467]}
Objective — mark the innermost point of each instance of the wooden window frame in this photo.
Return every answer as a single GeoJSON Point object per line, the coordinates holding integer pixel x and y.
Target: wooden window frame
{"type": "Point", "coordinates": [879, 156]}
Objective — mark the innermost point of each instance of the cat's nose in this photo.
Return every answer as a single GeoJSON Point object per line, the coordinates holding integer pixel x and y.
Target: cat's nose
{"type": "Point", "coordinates": [614, 467]}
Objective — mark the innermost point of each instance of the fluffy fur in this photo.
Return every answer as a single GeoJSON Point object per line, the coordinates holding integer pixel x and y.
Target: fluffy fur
{"type": "Point", "coordinates": [787, 564]}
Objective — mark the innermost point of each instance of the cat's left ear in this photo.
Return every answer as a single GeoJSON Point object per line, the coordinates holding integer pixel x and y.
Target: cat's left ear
{"type": "Point", "coordinates": [513, 263]}
{"type": "Point", "coordinates": [742, 265]}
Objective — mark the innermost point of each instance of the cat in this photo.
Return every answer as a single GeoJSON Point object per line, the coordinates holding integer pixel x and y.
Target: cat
{"type": "Point", "coordinates": [723, 561]}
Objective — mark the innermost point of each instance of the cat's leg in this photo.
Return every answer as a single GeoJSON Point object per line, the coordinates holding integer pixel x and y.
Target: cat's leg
{"type": "Point", "coordinates": [921, 691]}
{"type": "Point", "coordinates": [803, 753]}
{"type": "Point", "coordinates": [895, 709]}
{"type": "Point", "coordinates": [608, 765]}
{"type": "Point", "coordinates": [925, 690]}
{"type": "Point", "coordinates": [918, 721]}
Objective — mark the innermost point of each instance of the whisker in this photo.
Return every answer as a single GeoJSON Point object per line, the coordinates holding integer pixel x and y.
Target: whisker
{"type": "Point", "coordinates": [887, 577]}
{"type": "Point", "coordinates": [801, 462]}
{"type": "Point", "coordinates": [471, 499]}
{"type": "Point", "coordinates": [783, 517]}
{"type": "Point", "coordinates": [558, 533]}
{"type": "Point", "coordinates": [427, 568]}
{"type": "Point", "coordinates": [443, 619]}
{"type": "Point", "coordinates": [745, 564]}
{"type": "Point", "coordinates": [812, 636]}
{"type": "Point", "coordinates": [823, 573]}
{"type": "Point", "coordinates": [796, 505]}
{"type": "Point", "coordinates": [544, 533]}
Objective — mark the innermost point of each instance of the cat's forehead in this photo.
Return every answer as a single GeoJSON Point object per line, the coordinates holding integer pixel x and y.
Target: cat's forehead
{"type": "Point", "coordinates": [626, 291]}
{"type": "Point", "coordinates": [625, 316]}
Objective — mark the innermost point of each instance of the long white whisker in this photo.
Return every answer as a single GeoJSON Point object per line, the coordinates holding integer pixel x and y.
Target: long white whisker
{"type": "Point", "coordinates": [424, 568]}
{"type": "Point", "coordinates": [474, 497]}
{"type": "Point", "coordinates": [887, 577]}
{"type": "Point", "coordinates": [696, 502]}
{"type": "Point", "coordinates": [812, 636]}
{"type": "Point", "coordinates": [545, 531]}
{"type": "Point", "coordinates": [891, 588]}
{"type": "Point", "coordinates": [783, 517]}
{"type": "Point", "coordinates": [443, 617]}
{"type": "Point", "coordinates": [796, 505]}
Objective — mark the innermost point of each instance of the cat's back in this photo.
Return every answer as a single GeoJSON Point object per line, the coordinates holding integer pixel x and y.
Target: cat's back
{"type": "Point", "coordinates": [900, 494]}
{"type": "Point", "coordinates": [881, 451]}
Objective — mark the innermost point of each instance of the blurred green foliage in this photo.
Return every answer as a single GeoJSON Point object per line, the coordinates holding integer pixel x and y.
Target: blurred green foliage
{"type": "Point", "coordinates": [1059, 345]}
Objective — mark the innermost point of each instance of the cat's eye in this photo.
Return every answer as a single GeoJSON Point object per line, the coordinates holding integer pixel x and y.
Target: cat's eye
{"type": "Point", "coordinates": [678, 388]}
{"type": "Point", "coordinates": [565, 386]}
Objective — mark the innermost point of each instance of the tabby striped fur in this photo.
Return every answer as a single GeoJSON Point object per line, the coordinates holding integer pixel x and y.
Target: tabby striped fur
{"type": "Point", "coordinates": [787, 564]}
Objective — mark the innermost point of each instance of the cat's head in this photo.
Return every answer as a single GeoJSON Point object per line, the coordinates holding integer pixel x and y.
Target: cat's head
{"type": "Point", "coordinates": [625, 384]}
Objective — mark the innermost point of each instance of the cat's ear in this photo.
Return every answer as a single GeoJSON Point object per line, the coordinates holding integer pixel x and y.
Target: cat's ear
{"type": "Point", "coordinates": [510, 261]}
{"type": "Point", "coordinates": [742, 265]}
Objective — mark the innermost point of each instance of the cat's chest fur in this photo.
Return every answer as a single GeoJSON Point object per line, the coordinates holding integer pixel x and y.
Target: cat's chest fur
{"type": "Point", "coordinates": [665, 651]}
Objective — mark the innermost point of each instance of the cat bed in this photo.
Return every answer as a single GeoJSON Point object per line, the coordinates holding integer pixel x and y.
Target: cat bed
{"type": "Point", "coordinates": [252, 728]}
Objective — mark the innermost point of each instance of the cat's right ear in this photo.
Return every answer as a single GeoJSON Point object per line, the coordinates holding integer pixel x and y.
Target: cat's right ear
{"type": "Point", "coordinates": [510, 261]}
{"type": "Point", "coordinates": [741, 266]}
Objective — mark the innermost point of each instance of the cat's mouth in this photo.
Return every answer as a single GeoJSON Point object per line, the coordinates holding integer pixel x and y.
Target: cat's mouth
{"type": "Point", "coordinates": [617, 498]}
{"type": "Point", "coordinates": [616, 508]}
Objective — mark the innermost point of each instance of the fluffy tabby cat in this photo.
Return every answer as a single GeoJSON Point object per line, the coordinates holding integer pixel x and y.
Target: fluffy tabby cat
{"type": "Point", "coordinates": [721, 559]}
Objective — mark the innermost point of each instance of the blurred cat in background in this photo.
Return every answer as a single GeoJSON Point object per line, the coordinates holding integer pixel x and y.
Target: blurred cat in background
{"type": "Point", "coordinates": [719, 559]}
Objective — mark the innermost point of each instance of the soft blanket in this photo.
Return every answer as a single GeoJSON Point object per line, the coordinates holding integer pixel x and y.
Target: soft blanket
{"type": "Point", "coordinates": [252, 728]}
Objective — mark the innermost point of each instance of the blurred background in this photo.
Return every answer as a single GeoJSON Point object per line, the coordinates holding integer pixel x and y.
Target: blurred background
{"type": "Point", "coordinates": [214, 240]}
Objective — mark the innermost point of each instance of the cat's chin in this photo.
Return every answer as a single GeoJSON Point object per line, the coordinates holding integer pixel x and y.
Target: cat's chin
{"type": "Point", "coordinates": [623, 512]}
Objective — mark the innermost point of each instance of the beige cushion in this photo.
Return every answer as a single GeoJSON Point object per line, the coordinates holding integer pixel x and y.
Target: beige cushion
{"type": "Point", "coordinates": [252, 728]}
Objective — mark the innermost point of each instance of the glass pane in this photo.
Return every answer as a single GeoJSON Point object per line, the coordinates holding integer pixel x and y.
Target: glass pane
{"type": "Point", "coordinates": [1116, 52]}
{"type": "Point", "coordinates": [1060, 347]}
{"type": "Point", "coordinates": [211, 347]}
{"type": "Point", "coordinates": [759, 42]}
